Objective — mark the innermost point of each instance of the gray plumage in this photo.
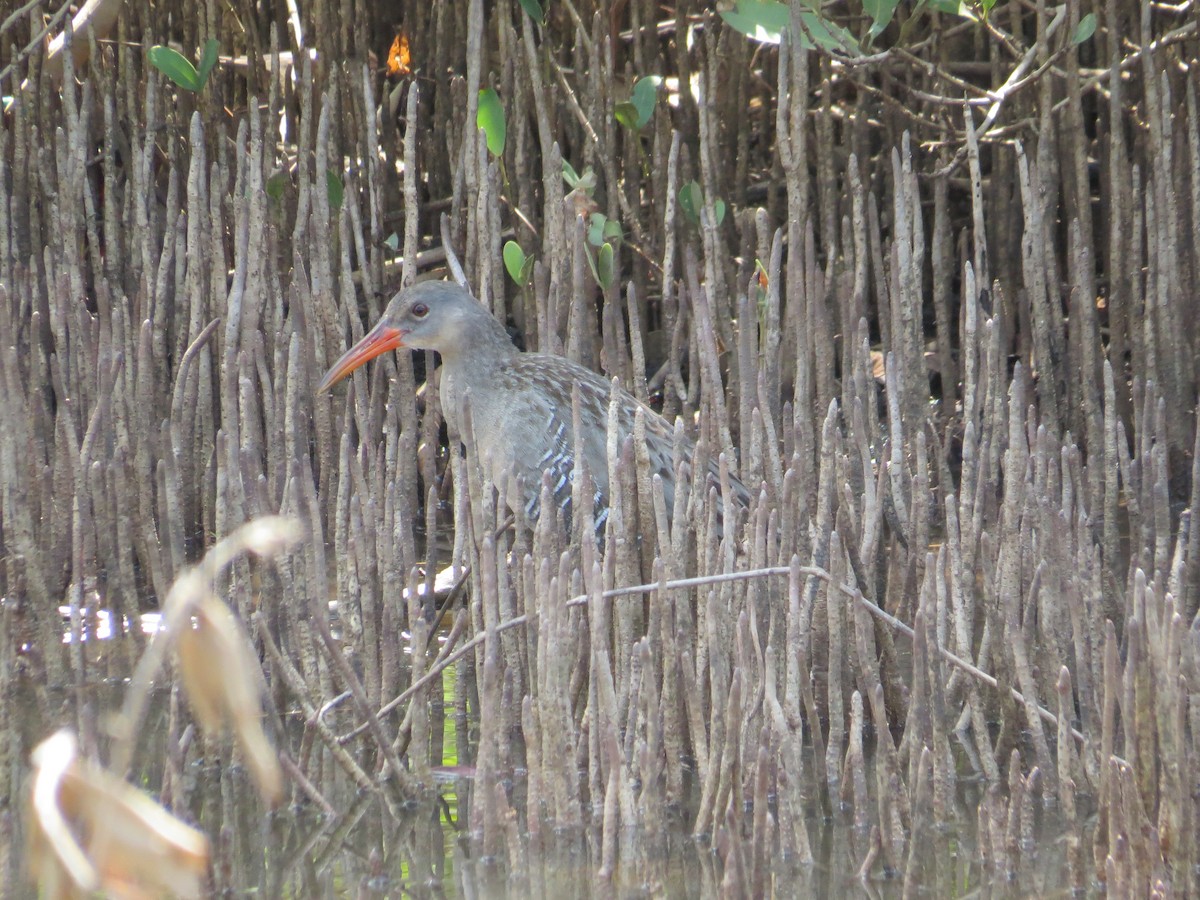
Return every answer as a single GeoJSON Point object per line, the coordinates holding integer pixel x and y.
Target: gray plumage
{"type": "Point", "coordinates": [521, 403]}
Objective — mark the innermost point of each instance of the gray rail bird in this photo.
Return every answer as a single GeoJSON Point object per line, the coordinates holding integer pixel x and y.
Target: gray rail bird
{"type": "Point", "coordinates": [521, 403]}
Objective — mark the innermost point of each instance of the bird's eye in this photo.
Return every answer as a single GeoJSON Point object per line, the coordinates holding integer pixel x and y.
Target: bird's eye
{"type": "Point", "coordinates": [420, 310]}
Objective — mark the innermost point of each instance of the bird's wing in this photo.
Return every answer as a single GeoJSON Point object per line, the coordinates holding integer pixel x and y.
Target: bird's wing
{"type": "Point", "coordinates": [545, 443]}
{"type": "Point", "coordinates": [661, 434]}
{"type": "Point", "coordinates": [558, 460]}
{"type": "Point", "coordinates": [549, 381]}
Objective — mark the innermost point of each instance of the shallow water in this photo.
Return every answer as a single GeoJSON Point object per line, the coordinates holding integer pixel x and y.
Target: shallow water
{"type": "Point", "coordinates": [366, 845]}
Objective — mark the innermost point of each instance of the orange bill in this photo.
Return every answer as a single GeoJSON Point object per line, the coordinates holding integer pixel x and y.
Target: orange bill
{"type": "Point", "coordinates": [380, 339]}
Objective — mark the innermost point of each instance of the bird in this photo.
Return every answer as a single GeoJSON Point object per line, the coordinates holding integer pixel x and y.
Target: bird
{"type": "Point", "coordinates": [521, 402]}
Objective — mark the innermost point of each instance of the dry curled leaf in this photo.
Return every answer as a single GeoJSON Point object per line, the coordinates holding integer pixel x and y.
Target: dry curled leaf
{"type": "Point", "coordinates": [222, 679]}
{"type": "Point", "coordinates": [90, 831]}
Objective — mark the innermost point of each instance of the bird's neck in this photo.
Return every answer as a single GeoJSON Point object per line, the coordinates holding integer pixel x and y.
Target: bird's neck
{"type": "Point", "coordinates": [483, 341]}
{"type": "Point", "coordinates": [471, 366]}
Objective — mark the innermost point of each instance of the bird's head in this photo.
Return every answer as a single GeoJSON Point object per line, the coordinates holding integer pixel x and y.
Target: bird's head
{"type": "Point", "coordinates": [432, 315]}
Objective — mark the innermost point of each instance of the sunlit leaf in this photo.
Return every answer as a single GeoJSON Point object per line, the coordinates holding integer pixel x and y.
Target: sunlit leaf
{"type": "Point", "coordinates": [1085, 29]}
{"type": "Point", "coordinates": [627, 114]}
{"type": "Point", "coordinates": [491, 119]}
{"type": "Point", "coordinates": [208, 59]}
{"type": "Point", "coordinates": [334, 190]}
{"type": "Point", "coordinates": [960, 8]}
{"type": "Point", "coordinates": [881, 13]}
{"type": "Point", "coordinates": [175, 66]}
{"type": "Point", "coordinates": [829, 36]}
{"type": "Point", "coordinates": [595, 232]}
{"type": "Point", "coordinates": [766, 20]}
{"type": "Point", "coordinates": [645, 95]}
{"type": "Point", "coordinates": [515, 262]}
{"type": "Point", "coordinates": [533, 8]}
{"type": "Point", "coordinates": [392, 241]}
{"type": "Point", "coordinates": [759, 20]}
{"type": "Point", "coordinates": [585, 181]}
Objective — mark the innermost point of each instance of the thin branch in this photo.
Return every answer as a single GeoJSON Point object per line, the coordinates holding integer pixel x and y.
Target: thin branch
{"type": "Point", "coordinates": [812, 571]}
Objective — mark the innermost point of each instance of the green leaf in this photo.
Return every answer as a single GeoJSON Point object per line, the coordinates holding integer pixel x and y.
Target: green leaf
{"type": "Point", "coordinates": [602, 229]}
{"type": "Point", "coordinates": [645, 95]}
{"type": "Point", "coordinates": [1084, 30]}
{"type": "Point", "coordinates": [690, 200]}
{"type": "Point", "coordinates": [766, 20]}
{"type": "Point", "coordinates": [491, 119]}
{"type": "Point", "coordinates": [585, 182]}
{"type": "Point", "coordinates": [828, 36]}
{"type": "Point", "coordinates": [208, 59]}
{"type": "Point", "coordinates": [881, 13]}
{"type": "Point", "coordinates": [604, 266]}
{"type": "Point", "coordinates": [627, 114]}
{"type": "Point", "coordinates": [760, 20]}
{"type": "Point", "coordinates": [275, 185]}
{"type": "Point", "coordinates": [595, 232]}
{"type": "Point", "coordinates": [392, 241]}
{"type": "Point", "coordinates": [516, 262]}
{"type": "Point", "coordinates": [334, 190]}
{"type": "Point", "coordinates": [960, 8]}
{"type": "Point", "coordinates": [534, 10]}
{"type": "Point", "coordinates": [175, 66]}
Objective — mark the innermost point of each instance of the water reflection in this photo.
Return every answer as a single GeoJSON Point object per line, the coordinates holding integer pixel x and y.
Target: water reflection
{"type": "Point", "coordinates": [372, 845]}
{"type": "Point", "coordinates": [100, 623]}
{"type": "Point", "coordinates": [337, 840]}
